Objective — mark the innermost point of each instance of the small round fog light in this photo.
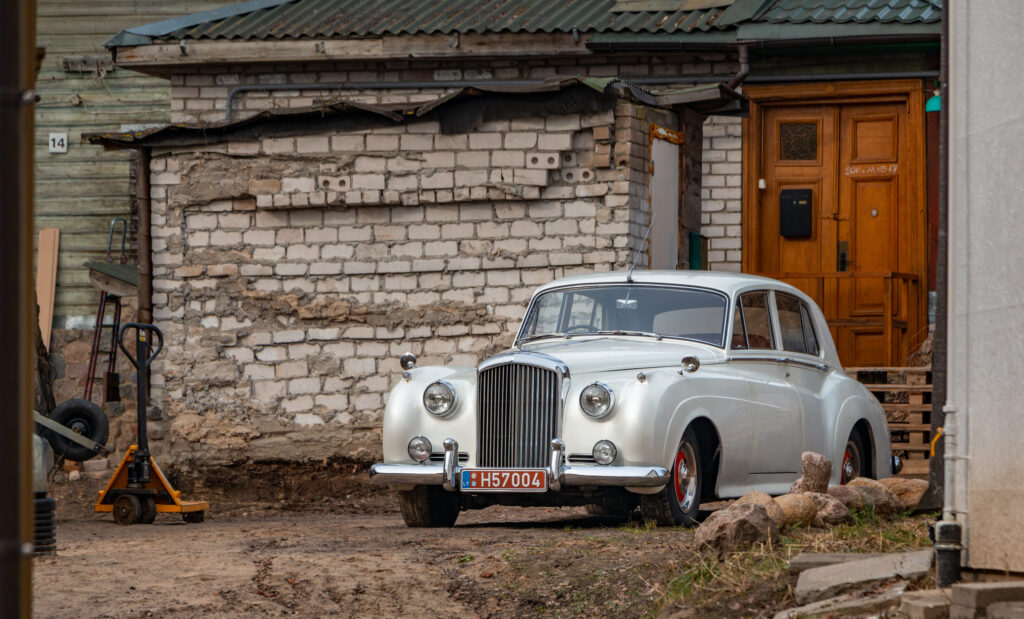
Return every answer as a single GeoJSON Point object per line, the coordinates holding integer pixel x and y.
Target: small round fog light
{"type": "Point", "coordinates": [604, 452]}
{"type": "Point", "coordinates": [419, 449]}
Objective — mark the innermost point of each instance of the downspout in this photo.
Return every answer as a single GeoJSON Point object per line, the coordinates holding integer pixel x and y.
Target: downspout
{"type": "Point", "coordinates": [948, 532]}
{"type": "Point", "coordinates": [744, 71]}
{"type": "Point", "coordinates": [145, 257]}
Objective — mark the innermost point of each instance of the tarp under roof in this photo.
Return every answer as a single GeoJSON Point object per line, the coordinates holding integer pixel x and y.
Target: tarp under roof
{"type": "Point", "coordinates": [457, 112]}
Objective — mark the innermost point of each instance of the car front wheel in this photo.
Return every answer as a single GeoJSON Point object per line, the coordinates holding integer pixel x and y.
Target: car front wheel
{"type": "Point", "coordinates": [853, 459]}
{"type": "Point", "coordinates": [428, 506]}
{"type": "Point", "coordinates": [679, 503]}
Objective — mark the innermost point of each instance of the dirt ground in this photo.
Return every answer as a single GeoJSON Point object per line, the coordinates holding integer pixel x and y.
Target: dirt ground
{"type": "Point", "coordinates": [276, 548]}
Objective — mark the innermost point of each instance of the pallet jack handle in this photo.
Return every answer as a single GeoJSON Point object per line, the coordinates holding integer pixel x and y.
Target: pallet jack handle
{"type": "Point", "coordinates": [141, 360]}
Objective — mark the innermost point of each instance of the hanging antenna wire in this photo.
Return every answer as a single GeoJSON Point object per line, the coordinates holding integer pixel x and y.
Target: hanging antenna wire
{"type": "Point", "coordinates": [629, 275]}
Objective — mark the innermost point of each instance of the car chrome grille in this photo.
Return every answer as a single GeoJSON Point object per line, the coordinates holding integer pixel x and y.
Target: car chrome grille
{"type": "Point", "coordinates": [518, 408]}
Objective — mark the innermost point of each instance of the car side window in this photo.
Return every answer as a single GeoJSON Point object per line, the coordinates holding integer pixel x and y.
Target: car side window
{"type": "Point", "coordinates": [810, 339]}
{"type": "Point", "coordinates": [789, 322]}
{"type": "Point", "coordinates": [739, 332]}
{"type": "Point", "coordinates": [757, 320]}
{"type": "Point", "coordinates": [795, 323]}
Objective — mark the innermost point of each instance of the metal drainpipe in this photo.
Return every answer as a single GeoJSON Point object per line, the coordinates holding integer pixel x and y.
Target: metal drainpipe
{"type": "Point", "coordinates": [744, 71]}
{"type": "Point", "coordinates": [948, 532]}
{"type": "Point", "coordinates": [643, 81]}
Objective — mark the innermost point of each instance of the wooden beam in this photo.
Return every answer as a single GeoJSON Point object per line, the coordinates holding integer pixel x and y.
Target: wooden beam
{"type": "Point", "coordinates": [46, 280]}
{"type": "Point", "coordinates": [160, 58]}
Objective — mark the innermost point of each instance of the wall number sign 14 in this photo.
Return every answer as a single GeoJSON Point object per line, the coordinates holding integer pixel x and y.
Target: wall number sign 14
{"type": "Point", "coordinates": [58, 142]}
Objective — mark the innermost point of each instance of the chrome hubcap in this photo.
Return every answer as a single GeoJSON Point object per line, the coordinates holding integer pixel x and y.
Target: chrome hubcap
{"type": "Point", "coordinates": [686, 477]}
{"type": "Point", "coordinates": [851, 465]}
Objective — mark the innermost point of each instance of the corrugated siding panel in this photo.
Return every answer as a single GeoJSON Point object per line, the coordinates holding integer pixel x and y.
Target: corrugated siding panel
{"type": "Point", "coordinates": [330, 18]}
{"type": "Point", "coordinates": [852, 11]}
{"type": "Point", "coordinates": [79, 192]}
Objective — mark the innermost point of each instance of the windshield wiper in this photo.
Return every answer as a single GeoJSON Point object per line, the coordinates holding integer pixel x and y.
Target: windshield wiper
{"type": "Point", "coordinates": [625, 332]}
{"type": "Point", "coordinates": [538, 336]}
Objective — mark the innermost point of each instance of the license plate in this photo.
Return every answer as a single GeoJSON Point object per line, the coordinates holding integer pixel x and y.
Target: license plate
{"type": "Point", "coordinates": [504, 480]}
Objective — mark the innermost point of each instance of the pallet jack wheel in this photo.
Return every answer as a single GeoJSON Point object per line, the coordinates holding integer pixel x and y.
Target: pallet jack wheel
{"type": "Point", "coordinates": [192, 517]}
{"type": "Point", "coordinates": [148, 513]}
{"type": "Point", "coordinates": [127, 509]}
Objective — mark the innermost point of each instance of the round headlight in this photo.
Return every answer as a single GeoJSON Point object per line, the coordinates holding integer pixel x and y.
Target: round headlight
{"type": "Point", "coordinates": [420, 448]}
{"type": "Point", "coordinates": [604, 452]}
{"type": "Point", "coordinates": [597, 400]}
{"type": "Point", "coordinates": [439, 398]}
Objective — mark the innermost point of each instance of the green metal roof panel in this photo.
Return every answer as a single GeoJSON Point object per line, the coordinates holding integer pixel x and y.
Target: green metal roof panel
{"type": "Point", "coordinates": [852, 11]}
{"type": "Point", "coordinates": [333, 18]}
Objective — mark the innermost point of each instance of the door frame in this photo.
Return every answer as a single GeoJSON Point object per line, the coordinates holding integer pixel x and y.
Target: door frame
{"type": "Point", "coordinates": [910, 92]}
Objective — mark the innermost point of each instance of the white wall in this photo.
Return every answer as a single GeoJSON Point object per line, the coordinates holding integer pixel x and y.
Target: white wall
{"type": "Point", "coordinates": [986, 347]}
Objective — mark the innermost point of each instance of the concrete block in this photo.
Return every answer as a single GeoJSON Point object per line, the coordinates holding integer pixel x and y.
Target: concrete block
{"type": "Point", "coordinates": [822, 582]}
{"type": "Point", "coordinates": [927, 604]}
{"type": "Point", "coordinates": [810, 560]}
{"type": "Point", "coordinates": [979, 595]}
{"type": "Point", "coordinates": [1005, 610]}
{"type": "Point", "coordinates": [848, 605]}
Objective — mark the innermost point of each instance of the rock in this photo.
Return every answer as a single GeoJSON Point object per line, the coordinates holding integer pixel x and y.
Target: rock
{"type": "Point", "coordinates": [815, 470]}
{"type": "Point", "coordinates": [831, 510]}
{"type": "Point", "coordinates": [850, 604]}
{"type": "Point", "coordinates": [877, 495]}
{"type": "Point", "coordinates": [765, 500]}
{"type": "Point", "coordinates": [823, 582]}
{"type": "Point", "coordinates": [809, 560]}
{"type": "Point", "coordinates": [798, 509]}
{"type": "Point", "coordinates": [736, 527]}
{"type": "Point", "coordinates": [847, 496]}
{"type": "Point", "coordinates": [908, 491]}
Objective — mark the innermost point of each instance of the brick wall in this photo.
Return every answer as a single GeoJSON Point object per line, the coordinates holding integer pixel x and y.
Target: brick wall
{"type": "Point", "coordinates": [721, 192]}
{"type": "Point", "coordinates": [291, 272]}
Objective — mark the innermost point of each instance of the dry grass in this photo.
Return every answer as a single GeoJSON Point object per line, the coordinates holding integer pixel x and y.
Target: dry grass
{"type": "Point", "coordinates": [756, 582]}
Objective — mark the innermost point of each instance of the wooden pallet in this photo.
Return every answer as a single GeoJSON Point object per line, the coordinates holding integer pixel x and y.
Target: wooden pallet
{"type": "Point", "coordinates": [905, 394]}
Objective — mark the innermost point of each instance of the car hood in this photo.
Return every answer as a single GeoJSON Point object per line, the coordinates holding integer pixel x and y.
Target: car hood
{"type": "Point", "coordinates": [612, 353]}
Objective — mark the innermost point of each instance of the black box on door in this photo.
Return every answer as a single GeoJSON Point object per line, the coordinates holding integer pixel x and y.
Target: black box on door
{"type": "Point", "coordinates": [795, 215]}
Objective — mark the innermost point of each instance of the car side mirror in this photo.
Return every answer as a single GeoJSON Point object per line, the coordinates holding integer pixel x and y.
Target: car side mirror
{"type": "Point", "coordinates": [407, 361]}
{"type": "Point", "coordinates": [690, 364]}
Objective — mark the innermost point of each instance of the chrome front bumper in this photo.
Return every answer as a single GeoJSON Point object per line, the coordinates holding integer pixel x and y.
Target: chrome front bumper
{"type": "Point", "coordinates": [559, 475]}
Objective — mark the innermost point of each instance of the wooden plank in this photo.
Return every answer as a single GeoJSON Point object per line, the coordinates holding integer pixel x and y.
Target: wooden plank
{"type": "Point", "coordinates": [162, 57]}
{"type": "Point", "coordinates": [900, 387]}
{"type": "Point", "coordinates": [46, 279]}
{"type": "Point", "coordinates": [112, 285]}
{"type": "Point", "coordinates": [904, 370]}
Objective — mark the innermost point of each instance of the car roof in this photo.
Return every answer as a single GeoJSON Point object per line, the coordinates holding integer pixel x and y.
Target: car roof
{"type": "Point", "coordinates": [726, 282]}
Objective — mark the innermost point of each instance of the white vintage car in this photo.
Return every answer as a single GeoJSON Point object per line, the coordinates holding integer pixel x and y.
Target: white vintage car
{"type": "Point", "coordinates": [656, 389]}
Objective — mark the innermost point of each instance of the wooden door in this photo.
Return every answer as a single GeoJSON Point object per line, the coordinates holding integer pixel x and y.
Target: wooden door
{"type": "Point", "coordinates": [862, 254]}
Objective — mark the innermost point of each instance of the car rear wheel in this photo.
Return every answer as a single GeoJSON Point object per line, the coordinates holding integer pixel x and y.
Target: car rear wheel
{"type": "Point", "coordinates": [679, 503]}
{"type": "Point", "coordinates": [853, 459]}
{"type": "Point", "coordinates": [428, 506]}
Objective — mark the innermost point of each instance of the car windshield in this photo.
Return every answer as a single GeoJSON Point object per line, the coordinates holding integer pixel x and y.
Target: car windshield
{"type": "Point", "coordinates": [657, 311]}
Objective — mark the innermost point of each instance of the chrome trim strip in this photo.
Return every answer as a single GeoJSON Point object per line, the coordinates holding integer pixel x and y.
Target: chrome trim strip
{"type": "Point", "coordinates": [824, 367]}
{"type": "Point", "coordinates": [528, 358]}
{"type": "Point", "coordinates": [633, 476]}
{"type": "Point", "coordinates": [416, 474]}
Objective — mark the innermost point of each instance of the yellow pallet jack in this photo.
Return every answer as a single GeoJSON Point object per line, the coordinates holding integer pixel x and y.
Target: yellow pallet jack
{"type": "Point", "coordinates": [138, 489]}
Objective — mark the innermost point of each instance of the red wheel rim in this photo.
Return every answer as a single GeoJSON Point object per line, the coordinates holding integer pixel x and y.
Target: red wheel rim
{"type": "Point", "coordinates": [685, 477]}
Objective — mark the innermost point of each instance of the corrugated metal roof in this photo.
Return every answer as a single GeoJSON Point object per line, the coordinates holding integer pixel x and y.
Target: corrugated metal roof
{"type": "Point", "coordinates": [333, 18]}
{"type": "Point", "coordinates": [851, 11]}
